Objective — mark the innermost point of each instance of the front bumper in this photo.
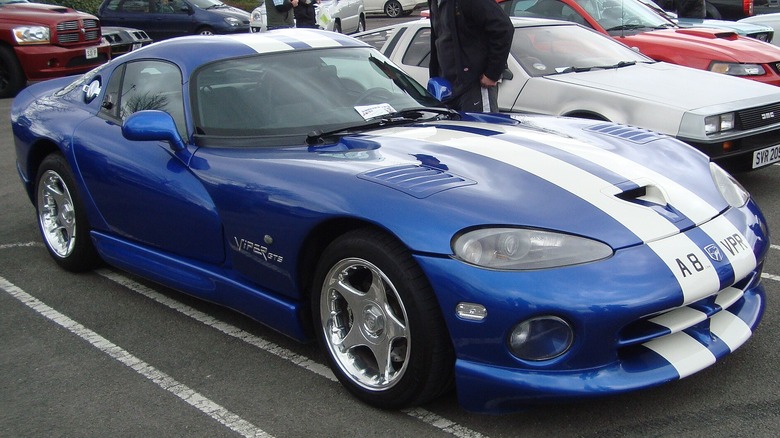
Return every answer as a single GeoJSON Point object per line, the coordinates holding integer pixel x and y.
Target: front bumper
{"type": "Point", "coordinates": [41, 62]}
{"type": "Point", "coordinates": [638, 320]}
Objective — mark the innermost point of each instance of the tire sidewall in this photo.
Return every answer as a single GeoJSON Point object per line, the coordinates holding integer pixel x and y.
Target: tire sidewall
{"type": "Point", "coordinates": [12, 70]}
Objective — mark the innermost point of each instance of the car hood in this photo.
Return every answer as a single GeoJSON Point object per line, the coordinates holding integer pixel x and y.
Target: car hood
{"type": "Point", "coordinates": [38, 13]}
{"type": "Point", "coordinates": [710, 43]}
{"type": "Point", "coordinates": [735, 26]}
{"type": "Point", "coordinates": [680, 87]}
{"type": "Point", "coordinates": [230, 11]}
{"type": "Point", "coordinates": [613, 183]}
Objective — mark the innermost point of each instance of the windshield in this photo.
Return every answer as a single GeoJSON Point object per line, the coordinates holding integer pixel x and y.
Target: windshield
{"type": "Point", "coordinates": [613, 15]}
{"type": "Point", "coordinates": [545, 50]}
{"type": "Point", "coordinates": [296, 93]}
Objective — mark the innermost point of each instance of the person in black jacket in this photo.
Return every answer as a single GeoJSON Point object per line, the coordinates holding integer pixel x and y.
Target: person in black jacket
{"type": "Point", "coordinates": [306, 14]}
{"type": "Point", "coordinates": [470, 43]}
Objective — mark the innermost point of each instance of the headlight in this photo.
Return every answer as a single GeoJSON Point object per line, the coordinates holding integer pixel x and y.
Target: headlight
{"type": "Point", "coordinates": [515, 249]}
{"type": "Point", "coordinates": [732, 191]}
{"type": "Point", "coordinates": [256, 16]}
{"type": "Point", "coordinates": [737, 69]}
{"type": "Point", "coordinates": [32, 35]}
{"type": "Point", "coordinates": [541, 338]}
{"type": "Point", "coordinates": [232, 21]}
{"type": "Point", "coordinates": [719, 123]}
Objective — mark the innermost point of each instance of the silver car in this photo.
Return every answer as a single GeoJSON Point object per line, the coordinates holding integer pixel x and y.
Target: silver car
{"type": "Point", "coordinates": [342, 16]}
{"type": "Point", "coordinates": [565, 69]}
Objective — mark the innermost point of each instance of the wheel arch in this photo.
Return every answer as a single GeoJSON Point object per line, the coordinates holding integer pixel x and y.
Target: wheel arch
{"type": "Point", "coordinates": [35, 156]}
{"type": "Point", "coordinates": [586, 114]}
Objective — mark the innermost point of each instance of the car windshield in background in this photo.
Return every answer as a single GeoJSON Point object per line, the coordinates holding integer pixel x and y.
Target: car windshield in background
{"type": "Point", "coordinates": [612, 15]}
{"type": "Point", "coordinates": [263, 95]}
{"type": "Point", "coordinates": [562, 49]}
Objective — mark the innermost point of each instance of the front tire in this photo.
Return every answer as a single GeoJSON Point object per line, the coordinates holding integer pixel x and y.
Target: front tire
{"type": "Point", "coordinates": [62, 220]}
{"type": "Point", "coordinates": [205, 30]}
{"type": "Point", "coordinates": [379, 323]}
{"type": "Point", "coordinates": [12, 78]}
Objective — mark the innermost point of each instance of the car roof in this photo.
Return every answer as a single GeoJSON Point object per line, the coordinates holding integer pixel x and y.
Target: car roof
{"type": "Point", "coordinates": [190, 52]}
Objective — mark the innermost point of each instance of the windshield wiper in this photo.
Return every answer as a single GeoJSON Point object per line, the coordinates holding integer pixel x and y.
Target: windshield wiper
{"type": "Point", "coordinates": [629, 27]}
{"type": "Point", "coordinates": [408, 115]}
{"type": "Point", "coordinates": [595, 67]}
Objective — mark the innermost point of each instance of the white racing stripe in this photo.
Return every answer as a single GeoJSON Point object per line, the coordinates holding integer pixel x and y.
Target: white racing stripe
{"type": "Point", "coordinates": [264, 43]}
{"type": "Point", "coordinates": [642, 221]}
{"type": "Point", "coordinates": [730, 329]}
{"type": "Point", "coordinates": [690, 265]}
{"type": "Point", "coordinates": [684, 353]}
{"type": "Point", "coordinates": [164, 381]}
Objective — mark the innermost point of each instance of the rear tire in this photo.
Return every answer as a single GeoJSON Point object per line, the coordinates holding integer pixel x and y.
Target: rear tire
{"type": "Point", "coordinates": [379, 323]}
{"type": "Point", "coordinates": [12, 78]}
{"type": "Point", "coordinates": [62, 219]}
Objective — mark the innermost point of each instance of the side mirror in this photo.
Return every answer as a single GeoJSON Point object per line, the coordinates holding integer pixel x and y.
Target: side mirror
{"type": "Point", "coordinates": [152, 125]}
{"type": "Point", "coordinates": [440, 88]}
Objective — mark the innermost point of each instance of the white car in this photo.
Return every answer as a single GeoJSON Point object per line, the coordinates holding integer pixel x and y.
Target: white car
{"type": "Point", "coordinates": [342, 16]}
{"type": "Point", "coordinates": [392, 8]}
{"type": "Point", "coordinates": [565, 69]}
{"type": "Point", "coordinates": [771, 20]}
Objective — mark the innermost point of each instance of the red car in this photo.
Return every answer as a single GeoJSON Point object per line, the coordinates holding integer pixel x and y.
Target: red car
{"type": "Point", "coordinates": [636, 25]}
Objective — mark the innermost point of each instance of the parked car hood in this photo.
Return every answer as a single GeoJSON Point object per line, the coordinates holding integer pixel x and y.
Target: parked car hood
{"type": "Point", "coordinates": [712, 43]}
{"type": "Point", "coordinates": [230, 11]}
{"type": "Point", "coordinates": [45, 13]}
{"type": "Point", "coordinates": [681, 87]}
{"type": "Point", "coordinates": [585, 184]}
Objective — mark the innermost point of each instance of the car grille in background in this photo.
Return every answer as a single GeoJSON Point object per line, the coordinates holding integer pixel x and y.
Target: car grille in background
{"type": "Point", "coordinates": [758, 117]}
{"type": "Point", "coordinates": [75, 32]}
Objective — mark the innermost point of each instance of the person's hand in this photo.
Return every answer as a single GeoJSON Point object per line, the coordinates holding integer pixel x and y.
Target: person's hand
{"type": "Point", "coordinates": [487, 82]}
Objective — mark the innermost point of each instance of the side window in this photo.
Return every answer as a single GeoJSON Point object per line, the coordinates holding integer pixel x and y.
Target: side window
{"type": "Point", "coordinates": [139, 6]}
{"type": "Point", "coordinates": [146, 85]}
{"type": "Point", "coordinates": [419, 53]}
{"type": "Point", "coordinates": [170, 7]}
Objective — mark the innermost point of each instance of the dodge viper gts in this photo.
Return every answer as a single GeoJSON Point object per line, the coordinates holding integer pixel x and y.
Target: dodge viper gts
{"type": "Point", "coordinates": [517, 259]}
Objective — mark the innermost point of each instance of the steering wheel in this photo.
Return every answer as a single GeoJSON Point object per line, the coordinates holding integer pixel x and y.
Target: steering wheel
{"type": "Point", "coordinates": [374, 95]}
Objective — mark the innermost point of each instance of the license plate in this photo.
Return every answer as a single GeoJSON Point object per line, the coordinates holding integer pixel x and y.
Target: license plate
{"type": "Point", "coordinates": [766, 156]}
{"type": "Point", "coordinates": [91, 52]}
{"type": "Point", "coordinates": [136, 46]}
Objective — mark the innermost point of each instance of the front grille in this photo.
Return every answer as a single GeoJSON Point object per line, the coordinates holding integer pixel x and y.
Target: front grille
{"type": "Point", "coordinates": [697, 314]}
{"type": "Point", "coordinates": [758, 117]}
{"type": "Point", "coordinates": [73, 32]}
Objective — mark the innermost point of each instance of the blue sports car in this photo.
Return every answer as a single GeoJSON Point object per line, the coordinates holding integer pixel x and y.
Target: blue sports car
{"type": "Point", "coordinates": [299, 177]}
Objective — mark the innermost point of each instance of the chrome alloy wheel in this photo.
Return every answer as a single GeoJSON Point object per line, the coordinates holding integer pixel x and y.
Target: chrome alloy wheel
{"type": "Point", "coordinates": [56, 214]}
{"type": "Point", "coordinates": [365, 324]}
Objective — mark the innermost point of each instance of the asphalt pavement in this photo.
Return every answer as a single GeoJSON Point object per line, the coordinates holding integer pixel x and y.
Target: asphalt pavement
{"type": "Point", "coordinates": [108, 354]}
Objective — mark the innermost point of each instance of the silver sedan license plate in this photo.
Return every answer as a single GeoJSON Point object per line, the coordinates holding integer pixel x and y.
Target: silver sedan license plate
{"type": "Point", "coordinates": [91, 52]}
{"type": "Point", "coordinates": [766, 156]}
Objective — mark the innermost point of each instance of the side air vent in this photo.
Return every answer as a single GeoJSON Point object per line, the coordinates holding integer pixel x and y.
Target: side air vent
{"type": "Point", "coordinates": [630, 133]}
{"type": "Point", "coordinates": [418, 181]}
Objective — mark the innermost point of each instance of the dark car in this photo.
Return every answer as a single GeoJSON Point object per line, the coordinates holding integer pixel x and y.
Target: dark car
{"type": "Point", "coordinates": [124, 39]}
{"type": "Point", "coordinates": [170, 18]}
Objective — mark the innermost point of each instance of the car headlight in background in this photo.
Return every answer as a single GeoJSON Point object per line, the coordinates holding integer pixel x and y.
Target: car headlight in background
{"type": "Point", "coordinates": [32, 35]}
{"type": "Point", "coordinates": [718, 123]}
{"type": "Point", "coordinates": [232, 21]}
{"type": "Point", "coordinates": [524, 249]}
{"type": "Point", "coordinates": [541, 338]}
{"type": "Point", "coordinates": [737, 69]}
{"type": "Point", "coordinates": [732, 191]}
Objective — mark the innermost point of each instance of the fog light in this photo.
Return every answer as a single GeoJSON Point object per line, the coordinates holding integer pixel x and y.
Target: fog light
{"type": "Point", "coordinates": [541, 338]}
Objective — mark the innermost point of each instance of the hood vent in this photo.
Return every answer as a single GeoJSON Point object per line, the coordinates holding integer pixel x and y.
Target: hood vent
{"type": "Point", "coordinates": [630, 133]}
{"type": "Point", "coordinates": [418, 181]}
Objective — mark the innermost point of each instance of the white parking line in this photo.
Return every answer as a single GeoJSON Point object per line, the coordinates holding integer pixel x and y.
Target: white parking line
{"type": "Point", "coordinates": [164, 381]}
{"type": "Point", "coordinates": [441, 423]}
